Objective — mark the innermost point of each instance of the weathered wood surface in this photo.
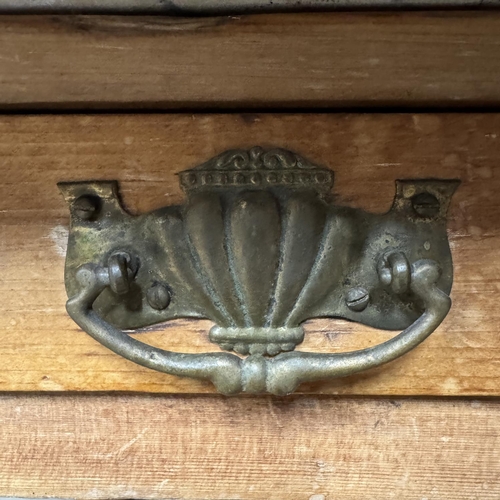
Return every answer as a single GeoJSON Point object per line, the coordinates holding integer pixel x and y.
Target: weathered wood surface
{"type": "Point", "coordinates": [195, 7]}
{"type": "Point", "coordinates": [41, 349]}
{"type": "Point", "coordinates": [438, 59]}
{"type": "Point", "coordinates": [305, 448]}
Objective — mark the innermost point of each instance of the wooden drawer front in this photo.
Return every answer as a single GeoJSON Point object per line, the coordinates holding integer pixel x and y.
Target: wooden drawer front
{"type": "Point", "coordinates": [341, 59]}
{"type": "Point", "coordinates": [99, 447]}
{"type": "Point", "coordinates": [196, 445]}
{"type": "Point", "coordinates": [43, 350]}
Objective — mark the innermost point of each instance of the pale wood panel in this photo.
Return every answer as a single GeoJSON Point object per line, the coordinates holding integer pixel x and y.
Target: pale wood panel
{"type": "Point", "coordinates": [201, 448]}
{"type": "Point", "coordinates": [295, 60]}
{"type": "Point", "coordinates": [41, 349]}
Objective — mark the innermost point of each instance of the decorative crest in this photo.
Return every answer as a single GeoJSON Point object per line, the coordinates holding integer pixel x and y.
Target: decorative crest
{"type": "Point", "coordinates": [257, 168]}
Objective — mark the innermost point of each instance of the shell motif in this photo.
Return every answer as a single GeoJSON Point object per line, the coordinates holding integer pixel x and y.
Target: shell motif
{"type": "Point", "coordinates": [258, 248]}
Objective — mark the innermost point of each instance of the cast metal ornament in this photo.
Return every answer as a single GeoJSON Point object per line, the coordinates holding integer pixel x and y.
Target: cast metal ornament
{"type": "Point", "coordinates": [258, 248]}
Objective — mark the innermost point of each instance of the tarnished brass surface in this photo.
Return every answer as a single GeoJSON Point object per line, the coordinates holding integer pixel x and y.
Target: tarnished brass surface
{"type": "Point", "coordinates": [259, 248]}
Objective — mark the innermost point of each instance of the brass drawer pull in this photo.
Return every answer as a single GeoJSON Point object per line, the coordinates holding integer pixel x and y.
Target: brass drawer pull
{"type": "Point", "coordinates": [259, 248]}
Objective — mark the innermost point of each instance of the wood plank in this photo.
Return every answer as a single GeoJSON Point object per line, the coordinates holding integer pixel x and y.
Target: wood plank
{"type": "Point", "coordinates": [43, 350]}
{"type": "Point", "coordinates": [102, 447]}
{"type": "Point", "coordinates": [194, 7]}
{"type": "Point", "coordinates": [439, 59]}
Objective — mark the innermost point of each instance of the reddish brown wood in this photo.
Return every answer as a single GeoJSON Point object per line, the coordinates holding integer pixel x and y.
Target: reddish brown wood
{"type": "Point", "coordinates": [43, 350]}
{"type": "Point", "coordinates": [400, 59]}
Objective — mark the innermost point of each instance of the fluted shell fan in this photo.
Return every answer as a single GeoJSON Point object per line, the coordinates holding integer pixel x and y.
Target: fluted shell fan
{"type": "Point", "coordinates": [249, 246]}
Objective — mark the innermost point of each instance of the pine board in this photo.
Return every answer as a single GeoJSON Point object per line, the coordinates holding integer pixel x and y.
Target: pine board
{"type": "Point", "coordinates": [41, 349]}
{"type": "Point", "coordinates": [338, 59]}
{"type": "Point", "coordinates": [204, 448]}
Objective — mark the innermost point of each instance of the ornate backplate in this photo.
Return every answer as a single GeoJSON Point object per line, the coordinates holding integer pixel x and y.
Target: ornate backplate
{"type": "Point", "coordinates": [258, 247]}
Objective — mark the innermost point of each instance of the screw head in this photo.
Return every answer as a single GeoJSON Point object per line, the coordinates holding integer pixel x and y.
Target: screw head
{"type": "Point", "coordinates": [158, 296]}
{"type": "Point", "coordinates": [357, 298]}
{"type": "Point", "coordinates": [86, 207]}
{"type": "Point", "coordinates": [425, 205]}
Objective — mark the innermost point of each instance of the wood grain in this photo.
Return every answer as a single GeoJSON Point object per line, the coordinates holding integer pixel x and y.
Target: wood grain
{"type": "Point", "coordinates": [438, 59]}
{"type": "Point", "coordinates": [194, 7]}
{"type": "Point", "coordinates": [201, 448]}
{"type": "Point", "coordinates": [41, 349]}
